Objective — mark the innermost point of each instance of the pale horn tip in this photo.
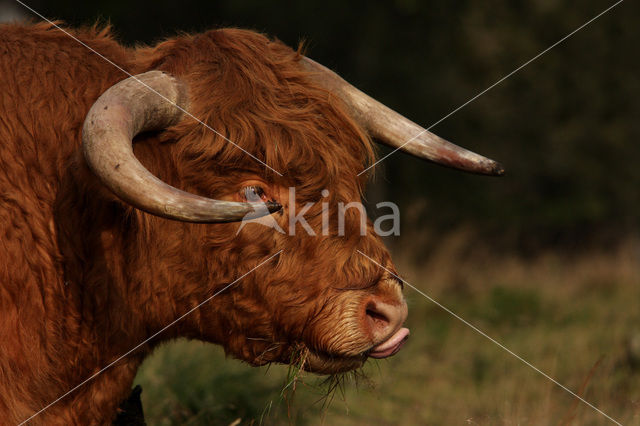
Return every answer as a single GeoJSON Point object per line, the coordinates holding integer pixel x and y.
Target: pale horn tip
{"type": "Point", "coordinates": [497, 169]}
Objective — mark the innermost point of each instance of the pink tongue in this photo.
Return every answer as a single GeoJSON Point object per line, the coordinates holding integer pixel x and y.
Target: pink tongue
{"type": "Point", "coordinates": [390, 346]}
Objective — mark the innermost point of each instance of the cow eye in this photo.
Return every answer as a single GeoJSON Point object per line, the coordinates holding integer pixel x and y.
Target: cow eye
{"type": "Point", "coordinates": [253, 193]}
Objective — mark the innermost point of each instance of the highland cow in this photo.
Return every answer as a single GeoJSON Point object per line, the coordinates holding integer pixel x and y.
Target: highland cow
{"type": "Point", "coordinates": [123, 179]}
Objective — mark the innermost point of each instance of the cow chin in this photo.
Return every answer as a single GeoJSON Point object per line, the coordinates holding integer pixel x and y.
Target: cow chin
{"type": "Point", "coordinates": [319, 362]}
{"type": "Point", "coordinates": [325, 364]}
{"type": "Point", "coordinates": [258, 353]}
{"type": "Point", "coordinates": [263, 351]}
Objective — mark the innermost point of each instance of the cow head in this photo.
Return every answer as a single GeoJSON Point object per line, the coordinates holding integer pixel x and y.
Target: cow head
{"type": "Point", "coordinates": [242, 120]}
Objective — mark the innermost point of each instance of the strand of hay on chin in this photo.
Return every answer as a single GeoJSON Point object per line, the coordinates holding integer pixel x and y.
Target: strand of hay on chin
{"type": "Point", "coordinates": [330, 386]}
{"type": "Point", "coordinates": [299, 357]}
{"type": "Point", "coordinates": [327, 388]}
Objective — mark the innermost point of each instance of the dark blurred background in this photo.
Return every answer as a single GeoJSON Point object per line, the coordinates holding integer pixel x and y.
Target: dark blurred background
{"type": "Point", "coordinates": [566, 127]}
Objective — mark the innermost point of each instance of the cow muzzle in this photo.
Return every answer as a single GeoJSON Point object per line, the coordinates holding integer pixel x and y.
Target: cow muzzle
{"type": "Point", "coordinates": [383, 321]}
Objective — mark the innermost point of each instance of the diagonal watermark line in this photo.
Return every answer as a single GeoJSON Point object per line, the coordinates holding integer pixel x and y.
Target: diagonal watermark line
{"type": "Point", "coordinates": [184, 111]}
{"type": "Point", "coordinates": [482, 333]}
{"type": "Point", "coordinates": [180, 318]}
{"type": "Point", "coordinates": [495, 84]}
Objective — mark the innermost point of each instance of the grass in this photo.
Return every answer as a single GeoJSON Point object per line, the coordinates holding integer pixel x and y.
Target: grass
{"type": "Point", "coordinates": [575, 318]}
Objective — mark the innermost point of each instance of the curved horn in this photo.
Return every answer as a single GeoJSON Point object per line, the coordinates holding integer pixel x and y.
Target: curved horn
{"type": "Point", "coordinates": [149, 101]}
{"type": "Point", "coordinates": [393, 129]}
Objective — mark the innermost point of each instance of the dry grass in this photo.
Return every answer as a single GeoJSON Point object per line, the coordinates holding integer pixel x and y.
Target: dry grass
{"type": "Point", "coordinates": [577, 319]}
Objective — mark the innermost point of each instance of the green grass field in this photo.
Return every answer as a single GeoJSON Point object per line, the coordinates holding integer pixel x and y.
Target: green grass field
{"type": "Point", "coordinates": [577, 320]}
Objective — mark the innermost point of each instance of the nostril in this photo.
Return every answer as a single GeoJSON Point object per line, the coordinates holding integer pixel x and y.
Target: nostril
{"type": "Point", "coordinates": [379, 320]}
{"type": "Point", "coordinates": [382, 319]}
{"type": "Point", "coordinates": [377, 317]}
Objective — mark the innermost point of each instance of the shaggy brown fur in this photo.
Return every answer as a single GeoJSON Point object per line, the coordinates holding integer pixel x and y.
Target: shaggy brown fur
{"type": "Point", "coordinates": [85, 277]}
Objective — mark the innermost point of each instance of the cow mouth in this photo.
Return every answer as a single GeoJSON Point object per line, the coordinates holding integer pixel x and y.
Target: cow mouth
{"type": "Point", "coordinates": [391, 346]}
{"type": "Point", "coordinates": [323, 363]}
